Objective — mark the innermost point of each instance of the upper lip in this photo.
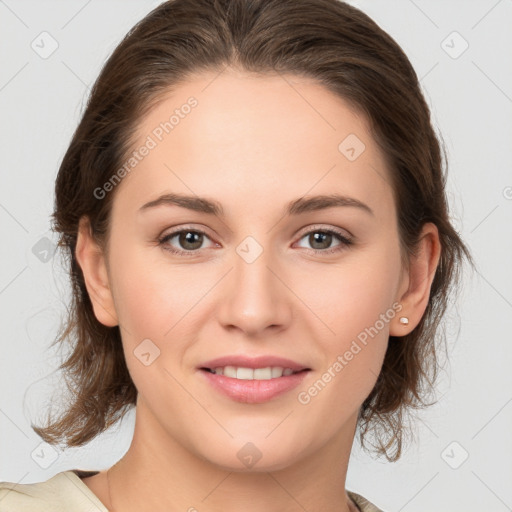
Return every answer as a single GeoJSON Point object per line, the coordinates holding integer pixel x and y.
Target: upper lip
{"type": "Point", "coordinates": [243, 361]}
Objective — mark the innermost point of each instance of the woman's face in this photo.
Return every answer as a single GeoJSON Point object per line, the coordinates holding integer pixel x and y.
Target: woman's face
{"type": "Point", "coordinates": [266, 278]}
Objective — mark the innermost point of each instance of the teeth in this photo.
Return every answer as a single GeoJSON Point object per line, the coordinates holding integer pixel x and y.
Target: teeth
{"type": "Point", "coordinates": [242, 373]}
{"type": "Point", "coordinates": [262, 373]}
{"type": "Point", "coordinates": [277, 372]}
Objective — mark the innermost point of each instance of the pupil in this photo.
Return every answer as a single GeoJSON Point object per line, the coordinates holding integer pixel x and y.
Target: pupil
{"type": "Point", "coordinates": [188, 238]}
{"type": "Point", "coordinates": [319, 238]}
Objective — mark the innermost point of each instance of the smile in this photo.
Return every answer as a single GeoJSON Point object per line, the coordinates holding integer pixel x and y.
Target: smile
{"type": "Point", "coordinates": [241, 373]}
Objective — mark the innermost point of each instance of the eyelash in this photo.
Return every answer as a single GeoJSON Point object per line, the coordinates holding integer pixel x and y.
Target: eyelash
{"type": "Point", "coordinates": [345, 242]}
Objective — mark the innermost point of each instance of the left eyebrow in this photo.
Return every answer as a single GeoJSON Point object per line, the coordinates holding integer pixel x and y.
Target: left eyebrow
{"type": "Point", "coordinates": [314, 203]}
{"type": "Point", "coordinates": [295, 207]}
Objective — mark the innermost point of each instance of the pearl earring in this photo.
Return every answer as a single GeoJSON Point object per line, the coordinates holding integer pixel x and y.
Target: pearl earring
{"type": "Point", "coordinates": [404, 320]}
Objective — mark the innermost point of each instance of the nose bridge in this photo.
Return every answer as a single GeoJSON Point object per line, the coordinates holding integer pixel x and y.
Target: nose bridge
{"type": "Point", "coordinates": [256, 299]}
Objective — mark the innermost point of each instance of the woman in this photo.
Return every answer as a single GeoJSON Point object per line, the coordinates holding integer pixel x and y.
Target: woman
{"type": "Point", "coordinates": [260, 251]}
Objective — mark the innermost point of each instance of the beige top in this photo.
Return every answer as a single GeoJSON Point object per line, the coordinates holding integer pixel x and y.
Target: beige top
{"type": "Point", "coordinates": [65, 492]}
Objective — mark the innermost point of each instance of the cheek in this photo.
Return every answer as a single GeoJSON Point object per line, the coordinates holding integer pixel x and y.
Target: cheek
{"type": "Point", "coordinates": [152, 295]}
{"type": "Point", "coordinates": [153, 301]}
{"type": "Point", "coordinates": [351, 296]}
{"type": "Point", "coordinates": [356, 304]}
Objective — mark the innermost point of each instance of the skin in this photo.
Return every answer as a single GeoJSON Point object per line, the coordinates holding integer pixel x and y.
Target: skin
{"type": "Point", "coordinates": [253, 143]}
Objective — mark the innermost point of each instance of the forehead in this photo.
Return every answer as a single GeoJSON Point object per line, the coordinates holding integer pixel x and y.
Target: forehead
{"type": "Point", "coordinates": [235, 135]}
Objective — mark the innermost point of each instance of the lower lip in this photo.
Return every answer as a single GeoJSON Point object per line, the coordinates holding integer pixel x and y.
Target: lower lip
{"type": "Point", "coordinates": [253, 391]}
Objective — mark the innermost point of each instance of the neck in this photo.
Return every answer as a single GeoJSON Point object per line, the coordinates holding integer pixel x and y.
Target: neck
{"type": "Point", "coordinates": [160, 474]}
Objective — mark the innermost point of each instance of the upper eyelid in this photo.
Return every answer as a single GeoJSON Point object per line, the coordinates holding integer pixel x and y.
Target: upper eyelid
{"type": "Point", "coordinates": [320, 227]}
{"type": "Point", "coordinates": [180, 229]}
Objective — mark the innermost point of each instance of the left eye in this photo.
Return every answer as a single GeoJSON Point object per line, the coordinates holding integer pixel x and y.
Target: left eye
{"type": "Point", "coordinates": [321, 240]}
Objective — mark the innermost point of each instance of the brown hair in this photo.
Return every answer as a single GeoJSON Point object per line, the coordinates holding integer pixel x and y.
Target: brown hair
{"type": "Point", "coordinates": [327, 40]}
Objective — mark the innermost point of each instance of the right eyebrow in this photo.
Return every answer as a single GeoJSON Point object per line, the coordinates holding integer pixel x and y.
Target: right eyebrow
{"type": "Point", "coordinates": [198, 204]}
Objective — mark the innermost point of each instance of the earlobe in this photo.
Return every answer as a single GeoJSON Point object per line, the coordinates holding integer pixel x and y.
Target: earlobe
{"type": "Point", "coordinates": [91, 259]}
{"type": "Point", "coordinates": [421, 272]}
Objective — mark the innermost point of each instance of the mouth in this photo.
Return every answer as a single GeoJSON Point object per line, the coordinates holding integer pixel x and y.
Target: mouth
{"type": "Point", "coordinates": [253, 380]}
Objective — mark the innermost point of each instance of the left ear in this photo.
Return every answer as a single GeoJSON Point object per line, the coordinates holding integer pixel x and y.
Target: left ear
{"type": "Point", "coordinates": [419, 277]}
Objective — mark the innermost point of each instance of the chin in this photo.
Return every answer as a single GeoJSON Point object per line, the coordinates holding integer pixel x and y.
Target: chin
{"type": "Point", "coordinates": [257, 456]}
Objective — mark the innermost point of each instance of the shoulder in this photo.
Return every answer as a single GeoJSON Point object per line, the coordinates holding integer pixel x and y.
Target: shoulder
{"type": "Point", "coordinates": [63, 492]}
{"type": "Point", "coordinates": [363, 504]}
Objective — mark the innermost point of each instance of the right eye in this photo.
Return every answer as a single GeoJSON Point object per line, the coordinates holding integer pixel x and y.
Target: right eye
{"type": "Point", "coordinates": [190, 240]}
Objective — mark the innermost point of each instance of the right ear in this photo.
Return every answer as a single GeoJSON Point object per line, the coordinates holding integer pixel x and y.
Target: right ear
{"type": "Point", "coordinates": [91, 259]}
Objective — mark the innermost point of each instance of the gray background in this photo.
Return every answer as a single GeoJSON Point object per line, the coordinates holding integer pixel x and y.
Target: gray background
{"type": "Point", "coordinates": [463, 452]}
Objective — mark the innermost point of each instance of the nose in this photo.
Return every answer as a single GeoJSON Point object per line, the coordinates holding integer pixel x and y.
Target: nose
{"type": "Point", "coordinates": [255, 297]}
